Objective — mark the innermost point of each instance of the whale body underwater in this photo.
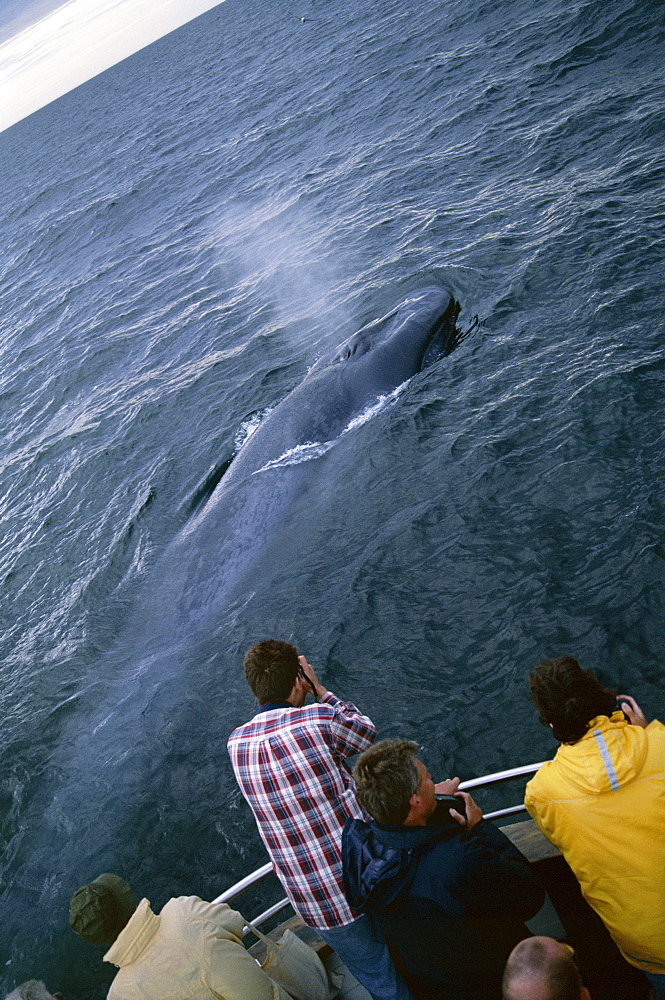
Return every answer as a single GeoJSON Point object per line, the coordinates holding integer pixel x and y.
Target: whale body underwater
{"type": "Point", "coordinates": [136, 756]}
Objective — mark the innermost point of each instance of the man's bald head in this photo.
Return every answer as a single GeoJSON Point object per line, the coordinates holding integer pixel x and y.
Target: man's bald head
{"type": "Point", "coordinates": [540, 968]}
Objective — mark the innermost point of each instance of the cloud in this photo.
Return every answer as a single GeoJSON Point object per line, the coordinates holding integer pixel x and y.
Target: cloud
{"type": "Point", "coordinates": [76, 42]}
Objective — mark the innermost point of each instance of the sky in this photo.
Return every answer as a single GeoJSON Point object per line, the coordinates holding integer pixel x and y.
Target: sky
{"type": "Point", "coordinates": [48, 47]}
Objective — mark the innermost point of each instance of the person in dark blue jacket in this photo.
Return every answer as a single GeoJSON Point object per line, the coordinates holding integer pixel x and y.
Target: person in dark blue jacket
{"type": "Point", "coordinates": [448, 889]}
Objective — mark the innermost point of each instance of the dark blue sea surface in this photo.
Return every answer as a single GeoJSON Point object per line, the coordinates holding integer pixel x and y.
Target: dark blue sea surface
{"type": "Point", "coordinates": [180, 240]}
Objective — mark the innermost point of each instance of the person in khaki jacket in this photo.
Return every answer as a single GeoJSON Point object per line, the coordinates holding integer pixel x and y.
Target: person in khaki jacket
{"type": "Point", "coordinates": [191, 949]}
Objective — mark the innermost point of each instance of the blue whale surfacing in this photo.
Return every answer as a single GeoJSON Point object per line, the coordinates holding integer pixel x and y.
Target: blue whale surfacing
{"type": "Point", "coordinates": [137, 760]}
{"type": "Point", "coordinates": [208, 563]}
{"type": "Point", "coordinates": [372, 363]}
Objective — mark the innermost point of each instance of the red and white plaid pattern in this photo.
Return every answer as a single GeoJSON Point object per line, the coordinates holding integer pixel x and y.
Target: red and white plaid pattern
{"type": "Point", "coordinates": [288, 763]}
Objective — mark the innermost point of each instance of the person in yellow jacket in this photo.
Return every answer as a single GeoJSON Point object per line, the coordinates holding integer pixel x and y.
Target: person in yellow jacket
{"type": "Point", "coordinates": [601, 801]}
{"type": "Point", "coordinates": [191, 949]}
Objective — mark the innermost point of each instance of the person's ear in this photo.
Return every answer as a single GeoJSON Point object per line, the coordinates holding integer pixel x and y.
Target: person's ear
{"type": "Point", "coordinates": [415, 803]}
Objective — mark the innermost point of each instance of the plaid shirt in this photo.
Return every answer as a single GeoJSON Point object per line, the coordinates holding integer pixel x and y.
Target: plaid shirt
{"type": "Point", "coordinates": [288, 763]}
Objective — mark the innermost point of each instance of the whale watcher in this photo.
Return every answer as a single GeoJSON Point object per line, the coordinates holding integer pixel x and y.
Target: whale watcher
{"type": "Point", "coordinates": [289, 763]}
{"type": "Point", "coordinates": [191, 949]}
{"type": "Point", "coordinates": [541, 968]}
{"type": "Point", "coordinates": [448, 888]}
{"type": "Point", "coordinates": [601, 802]}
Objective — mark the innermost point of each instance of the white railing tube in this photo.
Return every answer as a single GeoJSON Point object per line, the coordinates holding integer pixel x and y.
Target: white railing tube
{"type": "Point", "coordinates": [267, 914]}
{"type": "Point", "coordinates": [492, 779]}
{"type": "Point", "coordinates": [245, 883]}
{"type": "Point", "coordinates": [510, 811]}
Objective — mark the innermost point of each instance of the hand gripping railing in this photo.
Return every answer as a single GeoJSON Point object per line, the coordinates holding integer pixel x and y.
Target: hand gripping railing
{"type": "Point", "coordinates": [488, 779]}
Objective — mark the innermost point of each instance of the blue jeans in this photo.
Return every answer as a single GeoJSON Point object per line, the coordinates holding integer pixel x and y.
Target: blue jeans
{"type": "Point", "coordinates": [657, 980]}
{"type": "Point", "coordinates": [364, 951]}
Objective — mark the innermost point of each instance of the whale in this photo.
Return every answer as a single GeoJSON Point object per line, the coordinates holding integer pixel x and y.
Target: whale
{"type": "Point", "coordinates": [141, 747]}
{"type": "Point", "coordinates": [206, 566]}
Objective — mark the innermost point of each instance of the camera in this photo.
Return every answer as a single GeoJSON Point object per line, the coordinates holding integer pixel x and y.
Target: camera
{"type": "Point", "coordinates": [455, 802]}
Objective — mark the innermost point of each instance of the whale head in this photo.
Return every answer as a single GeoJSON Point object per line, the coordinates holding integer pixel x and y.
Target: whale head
{"type": "Point", "coordinates": [388, 351]}
{"type": "Point", "coordinates": [368, 366]}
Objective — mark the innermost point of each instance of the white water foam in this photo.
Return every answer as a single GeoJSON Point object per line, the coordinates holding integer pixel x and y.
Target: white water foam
{"type": "Point", "coordinates": [249, 427]}
{"type": "Point", "coordinates": [314, 449]}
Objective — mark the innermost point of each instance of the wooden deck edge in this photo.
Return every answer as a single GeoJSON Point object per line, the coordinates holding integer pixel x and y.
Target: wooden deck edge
{"type": "Point", "coordinates": [528, 839]}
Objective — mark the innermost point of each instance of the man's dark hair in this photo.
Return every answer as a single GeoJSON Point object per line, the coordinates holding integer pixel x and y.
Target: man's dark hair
{"type": "Point", "coordinates": [568, 698]}
{"type": "Point", "coordinates": [386, 777]}
{"type": "Point", "coordinates": [532, 959]}
{"type": "Point", "coordinates": [271, 668]}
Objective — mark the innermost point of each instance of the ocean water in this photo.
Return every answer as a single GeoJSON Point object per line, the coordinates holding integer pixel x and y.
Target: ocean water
{"type": "Point", "coordinates": [180, 240]}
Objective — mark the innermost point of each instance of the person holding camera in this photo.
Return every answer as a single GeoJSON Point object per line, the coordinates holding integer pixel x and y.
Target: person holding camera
{"type": "Point", "coordinates": [601, 801]}
{"type": "Point", "coordinates": [448, 889]}
{"type": "Point", "coordinates": [289, 763]}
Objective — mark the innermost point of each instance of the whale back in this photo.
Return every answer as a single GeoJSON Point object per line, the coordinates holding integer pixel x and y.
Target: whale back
{"type": "Point", "coordinates": [373, 362]}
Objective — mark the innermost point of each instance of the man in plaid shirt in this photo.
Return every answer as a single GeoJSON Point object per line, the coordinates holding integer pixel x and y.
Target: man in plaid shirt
{"type": "Point", "coordinates": [288, 761]}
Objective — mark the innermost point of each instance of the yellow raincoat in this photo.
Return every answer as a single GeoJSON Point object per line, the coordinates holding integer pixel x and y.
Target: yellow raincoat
{"type": "Point", "coordinates": [601, 801]}
{"type": "Point", "coordinates": [192, 949]}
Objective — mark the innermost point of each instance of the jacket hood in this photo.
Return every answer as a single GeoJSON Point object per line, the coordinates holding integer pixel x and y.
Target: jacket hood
{"type": "Point", "coordinates": [609, 756]}
{"type": "Point", "coordinates": [379, 861]}
{"type": "Point", "coordinates": [134, 937]}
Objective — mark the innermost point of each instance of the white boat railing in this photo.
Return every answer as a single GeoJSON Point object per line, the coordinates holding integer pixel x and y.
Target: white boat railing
{"type": "Point", "coordinates": [497, 778]}
{"type": "Point", "coordinates": [265, 870]}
